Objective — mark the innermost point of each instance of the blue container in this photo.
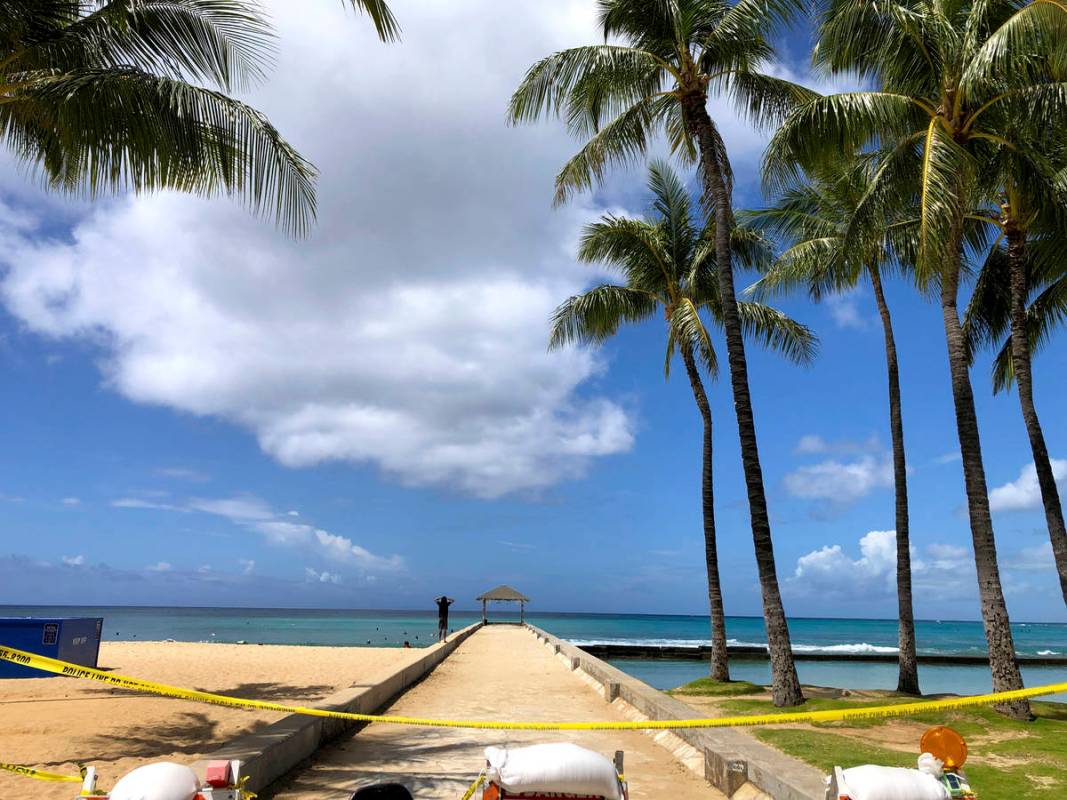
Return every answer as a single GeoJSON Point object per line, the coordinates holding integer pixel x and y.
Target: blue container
{"type": "Point", "coordinates": [73, 639]}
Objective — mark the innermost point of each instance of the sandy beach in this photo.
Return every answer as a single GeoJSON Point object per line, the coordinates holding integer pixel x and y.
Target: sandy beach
{"type": "Point", "coordinates": [51, 723]}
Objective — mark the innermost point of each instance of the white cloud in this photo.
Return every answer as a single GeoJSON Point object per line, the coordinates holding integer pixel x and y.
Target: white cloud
{"type": "Point", "coordinates": [237, 509]}
{"type": "Point", "coordinates": [1024, 493]}
{"type": "Point", "coordinates": [321, 577]}
{"type": "Point", "coordinates": [830, 570]}
{"type": "Point", "coordinates": [204, 569]}
{"type": "Point", "coordinates": [1033, 559]}
{"type": "Point", "coordinates": [408, 332]}
{"type": "Point", "coordinates": [248, 565]}
{"type": "Point", "coordinates": [148, 505]}
{"type": "Point", "coordinates": [840, 482]}
{"type": "Point", "coordinates": [256, 515]}
{"type": "Point", "coordinates": [844, 309]}
{"type": "Point", "coordinates": [813, 444]}
{"type": "Point", "coordinates": [74, 561]}
{"type": "Point", "coordinates": [159, 566]}
{"type": "Point", "coordinates": [71, 501]}
{"type": "Point", "coordinates": [949, 458]}
{"type": "Point", "coordinates": [947, 552]}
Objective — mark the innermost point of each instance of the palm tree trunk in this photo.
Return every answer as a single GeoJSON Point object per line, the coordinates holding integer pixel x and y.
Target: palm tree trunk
{"type": "Point", "coordinates": [908, 663]}
{"type": "Point", "coordinates": [1020, 362]}
{"type": "Point", "coordinates": [785, 686]}
{"type": "Point", "coordinates": [720, 664]}
{"type": "Point", "coordinates": [1002, 660]}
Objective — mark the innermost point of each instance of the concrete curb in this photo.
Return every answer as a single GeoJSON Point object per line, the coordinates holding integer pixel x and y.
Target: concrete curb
{"type": "Point", "coordinates": [272, 752]}
{"type": "Point", "coordinates": [732, 758]}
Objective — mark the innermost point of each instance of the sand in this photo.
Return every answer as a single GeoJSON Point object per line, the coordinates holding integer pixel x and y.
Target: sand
{"type": "Point", "coordinates": [49, 723]}
{"type": "Point", "coordinates": [499, 673]}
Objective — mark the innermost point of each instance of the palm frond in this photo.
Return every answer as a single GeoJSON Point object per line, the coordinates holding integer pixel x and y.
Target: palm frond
{"type": "Point", "coordinates": [764, 100]}
{"type": "Point", "coordinates": [988, 312]}
{"type": "Point", "coordinates": [601, 73]}
{"type": "Point", "coordinates": [775, 329]}
{"type": "Point", "coordinates": [622, 141]}
{"type": "Point", "coordinates": [385, 23]}
{"type": "Point", "coordinates": [946, 168]}
{"type": "Point", "coordinates": [688, 331]}
{"type": "Point", "coordinates": [819, 131]}
{"type": "Point", "coordinates": [1018, 46]}
{"type": "Point", "coordinates": [122, 128]}
{"type": "Point", "coordinates": [594, 316]}
{"type": "Point", "coordinates": [635, 247]}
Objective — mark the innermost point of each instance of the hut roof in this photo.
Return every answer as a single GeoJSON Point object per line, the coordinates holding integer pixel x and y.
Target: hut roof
{"type": "Point", "coordinates": [504, 593]}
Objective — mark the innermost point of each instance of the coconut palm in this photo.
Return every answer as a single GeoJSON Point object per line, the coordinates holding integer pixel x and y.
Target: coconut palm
{"type": "Point", "coordinates": [942, 111]}
{"type": "Point", "coordinates": [670, 55]}
{"type": "Point", "coordinates": [811, 218]}
{"type": "Point", "coordinates": [667, 263]}
{"type": "Point", "coordinates": [1030, 264]}
{"type": "Point", "coordinates": [102, 96]}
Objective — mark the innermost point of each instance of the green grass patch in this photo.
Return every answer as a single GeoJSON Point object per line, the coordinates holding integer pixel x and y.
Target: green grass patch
{"type": "Point", "coordinates": [1008, 759]}
{"type": "Point", "coordinates": [706, 687]}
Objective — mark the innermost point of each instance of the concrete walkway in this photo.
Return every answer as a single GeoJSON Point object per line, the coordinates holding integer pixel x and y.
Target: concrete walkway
{"type": "Point", "coordinates": [500, 673]}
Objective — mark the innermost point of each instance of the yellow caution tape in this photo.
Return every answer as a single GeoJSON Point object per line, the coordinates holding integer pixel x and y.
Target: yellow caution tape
{"type": "Point", "coordinates": [53, 665]}
{"type": "Point", "coordinates": [474, 787]}
{"type": "Point", "coordinates": [37, 774]}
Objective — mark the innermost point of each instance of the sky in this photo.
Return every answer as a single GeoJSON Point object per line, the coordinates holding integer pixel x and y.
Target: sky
{"type": "Point", "coordinates": [197, 410]}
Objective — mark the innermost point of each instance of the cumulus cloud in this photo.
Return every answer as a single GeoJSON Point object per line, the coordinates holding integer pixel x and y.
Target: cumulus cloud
{"type": "Point", "coordinates": [840, 482]}
{"type": "Point", "coordinates": [408, 332]}
{"type": "Point", "coordinates": [248, 565]}
{"type": "Point", "coordinates": [831, 570]}
{"type": "Point", "coordinates": [1023, 493]}
{"type": "Point", "coordinates": [160, 566]}
{"type": "Point", "coordinates": [74, 561]}
{"type": "Point", "coordinates": [71, 501]}
{"type": "Point", "coordinates": [938, 570]}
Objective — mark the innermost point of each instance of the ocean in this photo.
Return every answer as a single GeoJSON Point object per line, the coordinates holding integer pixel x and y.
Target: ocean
{"type": "Point", "coordinates": [376, 628]}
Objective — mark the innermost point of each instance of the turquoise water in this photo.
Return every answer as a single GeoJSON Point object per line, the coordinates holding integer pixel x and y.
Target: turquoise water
{"type": "Point", "coordinates": [393, 628]}
{"type": "Point", "coordinates": [933, 678]}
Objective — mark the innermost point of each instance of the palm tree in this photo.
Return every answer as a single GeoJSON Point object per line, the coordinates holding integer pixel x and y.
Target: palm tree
{"type": "Point", "coordinates": [671, 54]}
{"type": "Point", "coordinates": [951, 95]}
{"type": "Point", "coordinates": [98, 96]}
{"type": "Point", "coordinates": [1029, 265]}
{"type": "Point", "coordinates": [668, 265]}
{"type": "Point", "coordinates": [812, 219]}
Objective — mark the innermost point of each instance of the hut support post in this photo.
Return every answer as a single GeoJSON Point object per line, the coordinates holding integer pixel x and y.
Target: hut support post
{"type": "Point", "coordinates": [485, 620]}
{"type": "Point", "coordinates": [522, 612]}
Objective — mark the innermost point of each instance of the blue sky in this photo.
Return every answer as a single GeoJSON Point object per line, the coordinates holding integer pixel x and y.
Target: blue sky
{"type": "Point", "coordinates": [198, 411]}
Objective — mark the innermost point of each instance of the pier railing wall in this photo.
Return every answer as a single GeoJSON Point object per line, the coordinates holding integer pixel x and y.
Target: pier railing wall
{"type": "Point", "coordinates": [732, 758]}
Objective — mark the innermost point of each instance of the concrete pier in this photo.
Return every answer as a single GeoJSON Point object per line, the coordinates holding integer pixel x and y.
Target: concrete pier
{"type": "Point", "coordinates": [499, 673]}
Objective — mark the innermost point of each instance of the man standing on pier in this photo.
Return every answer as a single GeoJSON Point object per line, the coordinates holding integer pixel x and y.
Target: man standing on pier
{"type": "Point", "coordinates": [443, 602]}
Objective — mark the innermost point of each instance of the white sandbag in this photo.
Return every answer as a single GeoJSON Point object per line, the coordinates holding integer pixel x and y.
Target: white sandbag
{"type": "Point", "coordinates": [162, 781]}
{"type": "Point", "coordinates": [892, 783]}
{"type": "Point", "coordinates": [564, 768]}
{"type": "Point", "coordinates": [931, 765]}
